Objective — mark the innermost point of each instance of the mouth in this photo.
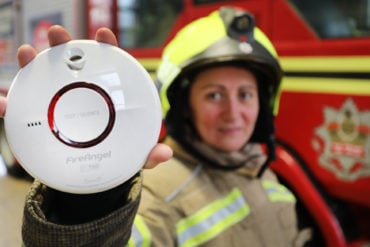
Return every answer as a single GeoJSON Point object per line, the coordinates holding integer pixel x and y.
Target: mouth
{"type": "Point", "coordinates": [230, 130]}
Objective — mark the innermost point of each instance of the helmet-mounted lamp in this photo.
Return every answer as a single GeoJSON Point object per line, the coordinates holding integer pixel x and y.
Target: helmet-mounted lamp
{"type": "Point", "coordinates": [239, 24]}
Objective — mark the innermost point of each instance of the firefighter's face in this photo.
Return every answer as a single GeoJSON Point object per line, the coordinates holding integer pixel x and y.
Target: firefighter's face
{"type": "Point", "coordinates": [224, 106]}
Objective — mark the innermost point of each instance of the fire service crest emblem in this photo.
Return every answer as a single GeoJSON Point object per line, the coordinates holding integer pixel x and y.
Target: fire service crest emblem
{"type": "Point", "coordinates": [343, 141]}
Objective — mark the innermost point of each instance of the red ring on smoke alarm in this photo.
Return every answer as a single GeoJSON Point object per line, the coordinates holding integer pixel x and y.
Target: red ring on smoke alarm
{"type": "Point", "coordinates": [68, 141]}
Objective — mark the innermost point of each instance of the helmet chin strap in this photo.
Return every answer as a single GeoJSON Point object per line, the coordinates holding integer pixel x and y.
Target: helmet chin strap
{"type": "Point", "coordinates": [271, 154]}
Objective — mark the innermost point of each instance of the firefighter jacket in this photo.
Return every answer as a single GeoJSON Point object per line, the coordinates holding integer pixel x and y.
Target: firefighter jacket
{"type": "Point", "coordinates": [183, 203]}
{"type": "Point", "coordinates": [187, 203]}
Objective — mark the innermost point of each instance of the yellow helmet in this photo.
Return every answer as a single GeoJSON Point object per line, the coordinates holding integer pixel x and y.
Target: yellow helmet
{"type": "Point", "coordinates": [226, 36]}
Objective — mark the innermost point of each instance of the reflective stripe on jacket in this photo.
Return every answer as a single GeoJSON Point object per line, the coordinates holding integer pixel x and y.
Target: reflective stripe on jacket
{"type": "Point", "coordinates": [212, 219]}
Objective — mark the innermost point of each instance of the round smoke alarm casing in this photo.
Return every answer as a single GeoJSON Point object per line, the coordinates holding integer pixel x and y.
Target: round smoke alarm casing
{"type": "Point", "coordinates": [82, 117]}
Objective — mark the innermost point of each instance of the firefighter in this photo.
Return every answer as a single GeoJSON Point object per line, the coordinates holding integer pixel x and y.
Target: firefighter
{"type": "Point", "coordinates": [219, 81]}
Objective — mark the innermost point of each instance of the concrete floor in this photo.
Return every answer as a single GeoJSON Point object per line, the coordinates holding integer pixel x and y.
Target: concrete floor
{"type": "Point", "coordinates": [12, 196]}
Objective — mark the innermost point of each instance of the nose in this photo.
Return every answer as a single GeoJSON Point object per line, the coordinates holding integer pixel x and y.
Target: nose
{"type": "Point", "coordinates": [231, 109]}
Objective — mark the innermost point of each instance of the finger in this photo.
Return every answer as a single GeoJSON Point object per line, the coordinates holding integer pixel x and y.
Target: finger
{"type": "Point", "coordinates": [159, 154]}
{"type": "Point", "coordinates": [58, 35]}
{"type": "Point", "coordinates": [105, 35]}
{"type": "Point", "coordinates": [25, 54]}
{"type": "Point", "coordinates": [2, 106]}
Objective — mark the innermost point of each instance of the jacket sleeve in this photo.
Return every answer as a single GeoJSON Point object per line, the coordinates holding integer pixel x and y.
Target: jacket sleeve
{"type": "Point", "coordinates": [54, 218]}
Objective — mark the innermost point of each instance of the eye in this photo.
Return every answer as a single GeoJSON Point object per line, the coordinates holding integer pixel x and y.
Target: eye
{"type": "Point", "coordinates": [245, 95]}
{"type": "Point", "coordinates": [214, 96]}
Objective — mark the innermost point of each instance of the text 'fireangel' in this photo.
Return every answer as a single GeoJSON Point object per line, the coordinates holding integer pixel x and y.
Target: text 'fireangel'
{"type": "Point", "coordinates": [89, 157]}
